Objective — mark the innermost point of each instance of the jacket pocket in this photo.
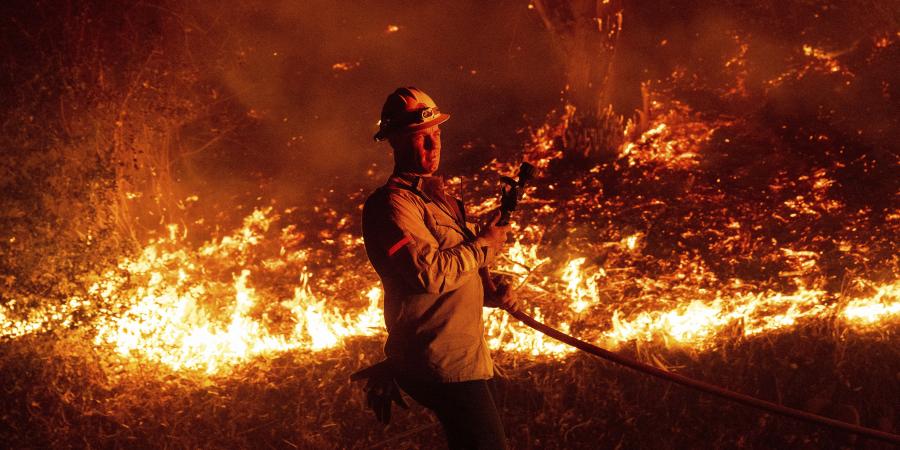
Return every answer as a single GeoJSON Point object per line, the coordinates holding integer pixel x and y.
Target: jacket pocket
{"type": "Point", "coordinates": [447, 233]}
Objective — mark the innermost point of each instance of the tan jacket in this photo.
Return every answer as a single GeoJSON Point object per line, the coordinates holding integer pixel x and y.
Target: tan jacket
{"type": "Point", "coordinates": [428, 259]}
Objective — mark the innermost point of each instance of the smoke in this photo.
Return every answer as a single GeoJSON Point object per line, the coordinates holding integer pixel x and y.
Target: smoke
{"type": "Point", "coordinates": [281, 98]}
{"type": "Point", "coordinates": [814, 78]}
{"type": "Point", "coordinates": [703, 41]}
{"type": "Point", "coordinates": [312, 77]}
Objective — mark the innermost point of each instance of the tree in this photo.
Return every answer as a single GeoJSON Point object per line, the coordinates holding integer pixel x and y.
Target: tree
{"type": "Point", "coordinates": [585, 33]}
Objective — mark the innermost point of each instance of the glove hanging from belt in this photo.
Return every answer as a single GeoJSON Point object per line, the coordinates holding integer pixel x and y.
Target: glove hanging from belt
{"type": "Point", "coordinates": [381, 389]}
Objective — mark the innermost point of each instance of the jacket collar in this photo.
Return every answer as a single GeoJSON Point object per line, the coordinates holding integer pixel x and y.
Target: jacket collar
{"type": "Point", "coordinates": [418, 184]}
{"type": "Point", "coordinates": [412, 180]}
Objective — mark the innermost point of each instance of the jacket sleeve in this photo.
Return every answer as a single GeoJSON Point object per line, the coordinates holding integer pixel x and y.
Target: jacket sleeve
{"type": "Point", "coordinates": [415, 255]}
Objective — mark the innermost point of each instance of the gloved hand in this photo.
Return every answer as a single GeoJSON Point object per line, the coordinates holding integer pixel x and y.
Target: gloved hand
{"type": "Point", "coordinates": [492, 234]}
{"type": "Point", "coordinates": [498, 291]}
{"type": "Point", "coordinates": [505, 297]}
{"type": "Point", "coordinates": [381, 390]}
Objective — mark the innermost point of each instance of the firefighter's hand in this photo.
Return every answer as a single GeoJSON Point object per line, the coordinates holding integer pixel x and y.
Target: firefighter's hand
{"type": "Point", "coordinates": [380, 395]}
{"type": "Point", "coordinates": [505, 297]}
{"type": "Point", "coordinates": [381, 390]}
{"type": "Point", "coordinates": [493, 235]}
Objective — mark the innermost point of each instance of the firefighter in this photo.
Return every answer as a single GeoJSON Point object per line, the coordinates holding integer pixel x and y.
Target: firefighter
{"type": "Point", "coordinates": [432, 265]}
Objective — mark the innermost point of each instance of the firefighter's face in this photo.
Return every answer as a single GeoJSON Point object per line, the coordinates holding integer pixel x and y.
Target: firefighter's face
{"type": "Point", "coordinates": [418, 151]}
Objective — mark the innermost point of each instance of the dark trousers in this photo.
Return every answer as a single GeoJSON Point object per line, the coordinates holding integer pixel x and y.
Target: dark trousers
{"type": "Point", "coordinates": [466, 411]}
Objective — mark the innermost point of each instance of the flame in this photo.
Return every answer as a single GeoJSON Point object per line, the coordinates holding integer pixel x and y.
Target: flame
{"type": "Point", "coordinates": [344, 66]}
{"type": "Point", "coordinates": [882, 305]}
{"type": "Point", "coordinates": [699, 322]}
{"type": "Point", "coordinates": [816, 60]}
{"type": "Point", "coordinates": [827, 58]}
{"type": "Point", "coordinates": [582, 291]}
{"type": "Point", "coordinates": [513, 337]}
{"type": "Point", "coordinates": [674, 147]}
{"type": "Point", "coordinates": [169, 318]}
{"type": "Point", "coordinates": [252, 292]}
{"type": "Point", "coordinates": [167, 321]}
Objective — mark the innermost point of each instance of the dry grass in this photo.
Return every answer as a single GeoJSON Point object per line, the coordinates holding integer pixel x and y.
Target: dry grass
{"type": "Point", "coordinates": [61, 393]}
{"type": "Point", "coordinates": [79, 143]}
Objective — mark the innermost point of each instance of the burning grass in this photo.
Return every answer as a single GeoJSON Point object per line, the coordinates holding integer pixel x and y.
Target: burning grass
{"type": "Point", "coordinates": [757, 251]}
{"type": "Point", "coordinates": [60, 394]}
{"type": "Point", "coordinates": [250, 336]}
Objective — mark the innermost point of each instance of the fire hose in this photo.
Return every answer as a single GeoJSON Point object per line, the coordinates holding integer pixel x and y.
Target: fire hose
{"type": "Point", "coordinates": [509, 200]}
{"type": "Point", "coordinates": [718, 391]}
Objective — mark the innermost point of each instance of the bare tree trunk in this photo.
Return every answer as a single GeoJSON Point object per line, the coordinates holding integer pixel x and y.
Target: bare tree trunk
{"type": "Point", "coordinates": [585, 34]}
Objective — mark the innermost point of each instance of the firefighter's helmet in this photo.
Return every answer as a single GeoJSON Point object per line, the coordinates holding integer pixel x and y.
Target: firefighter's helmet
{"type": "Point", "coordinates": [408, 109]}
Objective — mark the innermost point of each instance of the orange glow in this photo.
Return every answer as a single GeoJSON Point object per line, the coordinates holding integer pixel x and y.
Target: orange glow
{"type": "Point", "coordinates": [163, 304]}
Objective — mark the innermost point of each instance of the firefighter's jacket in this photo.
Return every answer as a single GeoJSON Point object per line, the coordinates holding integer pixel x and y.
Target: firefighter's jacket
{"type": "Point", "coordinates": [428, 258]}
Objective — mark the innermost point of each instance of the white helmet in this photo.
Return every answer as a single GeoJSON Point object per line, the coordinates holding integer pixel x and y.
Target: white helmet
{"type": "Point", "coordinates": [408, 109]}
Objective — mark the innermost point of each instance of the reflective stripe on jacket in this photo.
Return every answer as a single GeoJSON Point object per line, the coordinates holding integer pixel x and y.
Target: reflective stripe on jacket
{"type": "Point", "coordinates": [428, 262]}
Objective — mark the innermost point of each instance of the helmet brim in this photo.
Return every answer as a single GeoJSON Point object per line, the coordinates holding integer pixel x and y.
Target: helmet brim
{"type": "Point", "coordinates": [384, 133]}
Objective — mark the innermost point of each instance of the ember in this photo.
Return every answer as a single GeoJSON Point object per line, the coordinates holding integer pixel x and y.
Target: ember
{"type": "Point", "coordinates": [172, 311]}
{"type": "Point", "coordinates": [726, 209]}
